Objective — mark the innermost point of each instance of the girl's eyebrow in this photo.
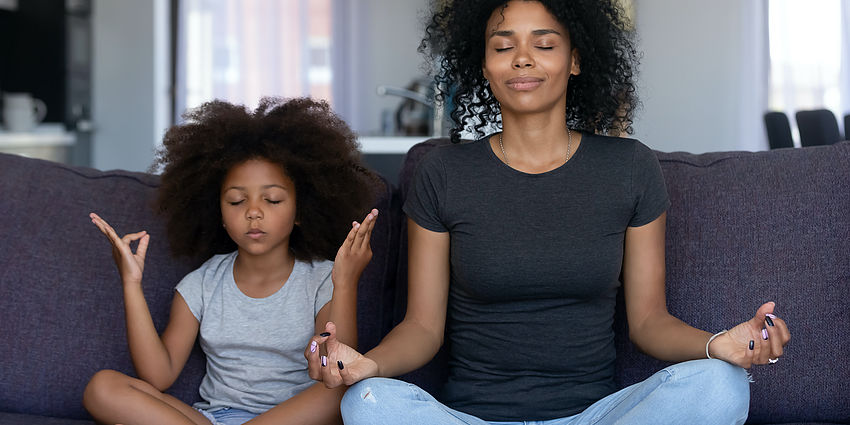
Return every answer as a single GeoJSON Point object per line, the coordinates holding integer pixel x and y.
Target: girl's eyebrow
{"type": "Point", "coordinates": [508, 33]}
{"type": "Point", "coordinates": [268, 186]}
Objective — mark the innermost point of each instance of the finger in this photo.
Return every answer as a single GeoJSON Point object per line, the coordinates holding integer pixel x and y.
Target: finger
{"type": "Point", "coordinates": [778, 335]}
{"type": "Point", "coordinates": [349, 239]}
{"type": "Point", "coordinates": [143, 246]}
{"type": "Point", "coordinates": [105, 228]}
{"type": "Point", "coordinates": [758, 320]}
{"type": "Point", "coordinates": [330, 374]}
{"type": "Point", "coordinates": [311, 353]}
{"type": "Point", "coordinates": [781, 328]}
{"type": "Point", "coordinates": [132, 237]}
{"type": "Point", "coordinates": [330, 340]}
{"type": "Point", "coordinates": [346, 376]}
{"type": "Point", "coordinates": [369, 221]}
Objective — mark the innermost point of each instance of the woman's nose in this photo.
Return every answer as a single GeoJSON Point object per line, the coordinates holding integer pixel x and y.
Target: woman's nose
{"type": "Point", "coordinates": [522, 59]}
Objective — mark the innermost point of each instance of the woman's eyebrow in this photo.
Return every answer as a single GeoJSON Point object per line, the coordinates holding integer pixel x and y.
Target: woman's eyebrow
{"type": "Point", "coordinates": [508, 33]}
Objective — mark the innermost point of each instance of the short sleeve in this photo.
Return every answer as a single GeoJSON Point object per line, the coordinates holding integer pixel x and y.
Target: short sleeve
{"type": "Point", "coordinates": [325, 291]}
{"type": "Point", "coordinates": [191, 289]}
{"type": "Point", "coordinates": [648, 187]}
{"type": "Point", "coordinates": [426, 193]}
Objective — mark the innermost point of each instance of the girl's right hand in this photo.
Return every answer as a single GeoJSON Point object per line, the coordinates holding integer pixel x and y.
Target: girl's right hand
{"type": "Point", "coordinates": [130, 265]}
{"type": "Point", "coordinates": [342, 365]}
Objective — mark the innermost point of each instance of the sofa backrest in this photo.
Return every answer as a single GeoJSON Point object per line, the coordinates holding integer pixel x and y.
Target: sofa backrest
{"type": "Point", "coordinates": [61, 304]}
{"type": "Point", "coordinates": [745, 228]}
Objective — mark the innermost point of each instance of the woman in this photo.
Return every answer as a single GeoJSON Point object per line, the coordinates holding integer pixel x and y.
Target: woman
{"type": "Point", "coordinates": [518, 241]}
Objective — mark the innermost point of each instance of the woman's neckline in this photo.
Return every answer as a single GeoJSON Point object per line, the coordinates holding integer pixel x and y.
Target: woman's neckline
{"type": "Point", "coordinates": [576, 156]}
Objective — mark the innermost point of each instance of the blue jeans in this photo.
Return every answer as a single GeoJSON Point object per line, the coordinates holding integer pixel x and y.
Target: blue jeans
{"type": "Point", "coordinates": [228, 416]}
{"type": "Point", "coordinates": [695, 392]}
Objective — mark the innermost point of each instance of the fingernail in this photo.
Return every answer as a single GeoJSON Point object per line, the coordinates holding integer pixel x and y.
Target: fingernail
{"type": "Point", "coordinates": [324, 361]}
{"type": "Point", "coordinates": [339, 363]}
{"type": "Point", "coordinates": [764, 333]}
{"type": "Point", "coordinates": [768, 320]}
{"type": "Point", "coordinates": [752, 344]}
{"type": "Point", "coordinates": [313, 346]}
{"type": "Point", "coordinates": [770, 315]}
{"type": "Point", "coordinates": [356, 225]}
{"type": "Point", "coordinates": [324, 334]}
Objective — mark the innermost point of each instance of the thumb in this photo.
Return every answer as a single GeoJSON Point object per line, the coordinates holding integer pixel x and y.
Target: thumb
{"type": "Point", "coordinates": [764, 310]}
{"type": "Point", "coordinates": [331, 342]}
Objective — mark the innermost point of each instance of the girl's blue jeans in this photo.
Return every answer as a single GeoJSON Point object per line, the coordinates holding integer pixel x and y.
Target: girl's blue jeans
{"type": "Point", "coordinates": [696, 392]}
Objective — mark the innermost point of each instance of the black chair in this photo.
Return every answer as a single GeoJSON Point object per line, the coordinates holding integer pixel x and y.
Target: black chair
{"type": "Point", "coordinates": [778, 130]}
{"type": "Point", "coordinates": [847, 127]}
{"type": "Point", "coordinates": [818, 127]}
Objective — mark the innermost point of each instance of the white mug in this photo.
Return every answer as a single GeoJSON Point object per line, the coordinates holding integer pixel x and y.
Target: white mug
{"type": "Point", "coordinates": [22, 112]}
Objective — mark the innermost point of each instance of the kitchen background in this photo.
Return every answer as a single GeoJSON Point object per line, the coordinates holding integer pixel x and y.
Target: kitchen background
{"type": "Point", "coordinates": [115, 73]}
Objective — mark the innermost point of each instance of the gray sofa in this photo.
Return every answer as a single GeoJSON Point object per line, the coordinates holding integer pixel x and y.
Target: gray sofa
{"type": "Point", "coordinates": [743, 228]}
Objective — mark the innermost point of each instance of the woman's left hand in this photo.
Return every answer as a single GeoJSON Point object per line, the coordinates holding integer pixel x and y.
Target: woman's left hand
{"type": "Point", "coordinates": [355, 252]}
{"type": "Point", "coordinates": [759, 340]}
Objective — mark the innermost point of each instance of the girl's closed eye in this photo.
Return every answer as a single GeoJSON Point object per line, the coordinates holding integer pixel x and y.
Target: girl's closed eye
{"type": "Point", "coordinates": [234, 203]}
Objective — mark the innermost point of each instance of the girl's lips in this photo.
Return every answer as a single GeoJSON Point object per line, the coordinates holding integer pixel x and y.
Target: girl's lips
{"type": "Point", "coordinates": [524, 83]}
{"type": "Point", "coordinates": [255, 234]}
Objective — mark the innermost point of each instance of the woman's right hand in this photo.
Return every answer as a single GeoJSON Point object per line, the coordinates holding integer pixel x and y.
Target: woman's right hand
{"type": "Point", "coordinates": [342, 365]}
{"type": "Point", "coordinates": [130, 265]}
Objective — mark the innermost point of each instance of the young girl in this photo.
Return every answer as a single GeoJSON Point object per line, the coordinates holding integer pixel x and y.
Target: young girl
{"type": "Point", "coordinates": [519, 241]}
{"type": "Point", "coordinates": [270, 196]}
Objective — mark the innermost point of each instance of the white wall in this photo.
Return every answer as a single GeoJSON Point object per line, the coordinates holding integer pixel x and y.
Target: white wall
{"type": "Point", "coordinates": [700, 82]}
{"type": "Point", "coordinates": [130, 82]}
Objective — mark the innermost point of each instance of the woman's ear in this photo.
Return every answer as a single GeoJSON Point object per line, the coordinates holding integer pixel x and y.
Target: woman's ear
{"type": "Point", "coordinates": [575, 65]}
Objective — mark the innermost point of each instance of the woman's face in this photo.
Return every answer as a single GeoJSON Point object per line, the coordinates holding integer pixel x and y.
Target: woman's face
{"type": "Point", "coordinates": [528, 58]}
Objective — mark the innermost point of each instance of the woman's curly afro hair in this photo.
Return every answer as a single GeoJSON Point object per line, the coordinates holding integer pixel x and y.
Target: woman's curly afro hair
{"type": "Point", "coordinates": [600, 100]}
{"type": "Point", "coordinates": [315, 148]}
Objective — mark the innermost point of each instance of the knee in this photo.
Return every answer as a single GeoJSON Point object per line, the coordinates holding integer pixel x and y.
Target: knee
{"type": "Point", "coordinates": [370, 400]}
{"type": "Point", "coordinates": [101, 387]}
{"type": "Point", "coordinates": [722, 388]}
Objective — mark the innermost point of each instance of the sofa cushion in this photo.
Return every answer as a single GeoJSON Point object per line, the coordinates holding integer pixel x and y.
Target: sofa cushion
{"type": "Point", "coordinates": [745, 228]}
{"type": "Point", "coordinates": [61, 301]}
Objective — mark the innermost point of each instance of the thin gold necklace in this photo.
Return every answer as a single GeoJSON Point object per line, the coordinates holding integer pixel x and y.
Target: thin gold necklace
{"type": "Point", "coordinates": [569, 147]}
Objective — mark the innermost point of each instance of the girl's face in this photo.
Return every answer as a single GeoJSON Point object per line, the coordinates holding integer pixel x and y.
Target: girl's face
{"type": "Point", "coordinates": [258, 207]}
{"type": "Point", "coordinates": [528, 58]}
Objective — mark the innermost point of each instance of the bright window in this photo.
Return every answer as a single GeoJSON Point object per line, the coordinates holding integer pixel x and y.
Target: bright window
{"type": "Point", "coordinates": [805, 56]}
{"type": "Point", "coordinates": [241, 50]}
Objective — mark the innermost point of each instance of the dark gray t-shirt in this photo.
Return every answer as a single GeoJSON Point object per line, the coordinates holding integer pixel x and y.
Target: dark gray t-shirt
{"type": "Point", "coordinates": [535, 265]}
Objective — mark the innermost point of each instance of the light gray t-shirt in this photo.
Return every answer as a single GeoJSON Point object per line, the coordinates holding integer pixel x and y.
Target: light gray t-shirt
{"type": "Point", "coordinates": [254, 346]}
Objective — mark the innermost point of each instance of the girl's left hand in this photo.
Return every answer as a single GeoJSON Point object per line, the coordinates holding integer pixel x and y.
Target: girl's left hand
{"type": "Point", "coordinates": [759, 340]}
{"type": "Point", "coordinates": [355, 252]}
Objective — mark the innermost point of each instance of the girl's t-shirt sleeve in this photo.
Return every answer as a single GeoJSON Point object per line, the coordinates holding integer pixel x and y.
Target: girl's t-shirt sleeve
{"type": "Point", "coordinates": [325, 290]}
{"type": "Point", "coordinates": [426, 193]}
{"type": "Point", "coordinates": [191, 289]}
{"type": "Point", "coordinates": [648, 187]}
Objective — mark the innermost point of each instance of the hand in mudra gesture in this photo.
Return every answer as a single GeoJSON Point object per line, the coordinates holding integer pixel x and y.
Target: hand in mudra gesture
{"type": "Point", "coordinates": [130, 264]}
{"type": "Point", "coordinates": [342, 365]}
{"type": "Point", "coordinates": [760, 340]}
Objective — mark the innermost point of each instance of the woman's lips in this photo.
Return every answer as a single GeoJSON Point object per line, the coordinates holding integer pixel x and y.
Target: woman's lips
{"type": "Point", "coordinates": [524, 83]}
